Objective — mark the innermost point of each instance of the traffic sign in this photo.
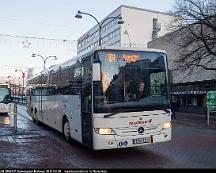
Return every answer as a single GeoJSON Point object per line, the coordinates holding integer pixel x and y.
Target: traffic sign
{"type": "Point", "coordinates": [211, 101]}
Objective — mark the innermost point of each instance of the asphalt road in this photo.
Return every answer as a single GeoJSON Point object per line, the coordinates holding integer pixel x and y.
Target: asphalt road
{"type": "Point", "coordinates": [38, 146]}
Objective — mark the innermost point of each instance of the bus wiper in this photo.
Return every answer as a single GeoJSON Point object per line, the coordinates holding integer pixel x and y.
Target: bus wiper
{"type": "Point", "coordinates": [109, 115]}
{"type": "Point", "coordinates": [165, 110]}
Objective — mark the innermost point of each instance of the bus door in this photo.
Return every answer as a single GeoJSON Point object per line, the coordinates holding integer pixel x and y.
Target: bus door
{"type": "Point", "coordinates": [30, 108]}
{"type": "Point", "coordinates": [86, 101]}
{"type": "Point", "coordinates": [37, 106]}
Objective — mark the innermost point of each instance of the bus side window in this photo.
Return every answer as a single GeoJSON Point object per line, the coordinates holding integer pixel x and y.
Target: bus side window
{"type": "Point", "coordinates": [52, 91]}
{"type": "Point", "coordinates": [36, 92]}
{"type": "Point", "coordinates": [87, 104]}
{"type": "Point", "coordinates": [30, 92]}
{"type": "Point", "coordinates": [45, 92]}
{"type": "Point", "coordinates": [33, 92]}
{"type": "Point", "coordinates": [86, 83]}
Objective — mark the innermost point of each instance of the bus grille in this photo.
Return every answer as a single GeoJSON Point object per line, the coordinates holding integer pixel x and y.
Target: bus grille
{"type": "Point", "coordinates": [133, 131]}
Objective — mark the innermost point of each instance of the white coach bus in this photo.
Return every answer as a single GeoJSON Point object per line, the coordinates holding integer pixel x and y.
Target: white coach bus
{"type": "Point", "coordinates": [107, 98]}
{"type": "Point", "coordinates": [5, 98]}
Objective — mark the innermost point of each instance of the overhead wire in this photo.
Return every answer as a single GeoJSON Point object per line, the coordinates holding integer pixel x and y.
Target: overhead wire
{"type": "Point", "coordinates": [32, 37]}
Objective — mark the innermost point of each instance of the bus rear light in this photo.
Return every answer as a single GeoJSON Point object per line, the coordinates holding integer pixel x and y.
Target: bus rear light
{"type": "Point", "coordinates": [104, 131]}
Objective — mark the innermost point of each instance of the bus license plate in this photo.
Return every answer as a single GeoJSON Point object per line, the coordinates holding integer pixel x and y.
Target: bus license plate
{"type": "Point", "coordinates": [142, 140]}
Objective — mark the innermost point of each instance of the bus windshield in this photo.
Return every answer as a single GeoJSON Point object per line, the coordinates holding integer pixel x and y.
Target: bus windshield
{"type": "Point", "coordinates": [131, 81]}
{"type": "Point", "coordinates": [4, 94]}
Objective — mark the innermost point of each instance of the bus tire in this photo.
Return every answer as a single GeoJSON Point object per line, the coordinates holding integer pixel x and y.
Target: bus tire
{"type": "Point", "coordinates": [66, 130]}
{"type": "Point", "coordinates": [34, 115]}
{"type": "Point", "coordinates": [34, 120]}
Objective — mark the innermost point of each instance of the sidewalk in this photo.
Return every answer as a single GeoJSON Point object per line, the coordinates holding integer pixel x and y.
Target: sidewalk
{"type": "Point", "coordinates": [195, 120]}
{"type": "Point", "coordinates": [7, 126]}
{"type": "Point", "coordinates": [6, 130]}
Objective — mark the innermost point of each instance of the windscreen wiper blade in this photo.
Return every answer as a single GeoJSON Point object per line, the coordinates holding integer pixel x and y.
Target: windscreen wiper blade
{"type": "Point", "coordinates": [109, 115]}
{"type": "Point", "coordinates": [141, 109]}
{"type": "Point", "coordinates": [165, 110]}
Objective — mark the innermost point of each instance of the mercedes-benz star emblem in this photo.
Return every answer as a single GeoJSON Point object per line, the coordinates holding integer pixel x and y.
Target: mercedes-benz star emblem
{"type": "Point", "coordinates": [140, 130]}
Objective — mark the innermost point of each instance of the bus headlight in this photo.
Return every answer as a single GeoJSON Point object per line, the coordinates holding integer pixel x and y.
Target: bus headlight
{"type": "Point", "coordinates": [166, 125]}
{"type": "Point", "coordinates": [104, 131]}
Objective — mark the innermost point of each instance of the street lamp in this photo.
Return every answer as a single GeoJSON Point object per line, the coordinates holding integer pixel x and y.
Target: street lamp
{"type": "Point", "coordinates": [100, 25]}
{"type": "Point", "coordinates": [9, 80]}
{"type": "Point", "coordinates": [11, 85]}
{"type": "Point", "coordinates": [44, 59]}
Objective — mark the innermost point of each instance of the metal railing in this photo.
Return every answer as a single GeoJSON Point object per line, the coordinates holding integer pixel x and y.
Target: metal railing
{"type": "Point", "coordinates": [19, 99]}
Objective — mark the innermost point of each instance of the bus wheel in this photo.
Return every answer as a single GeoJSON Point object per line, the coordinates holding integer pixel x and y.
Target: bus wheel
{"type": "Point", "coordinates": [34, 120]}
{"type": "Point", "coordinates": [34, 115]}
{"type": "Point", "coordinates": [66, 130]}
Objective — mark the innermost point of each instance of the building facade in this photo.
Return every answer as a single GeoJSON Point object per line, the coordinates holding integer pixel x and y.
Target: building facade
{"type": "Point", "coordinates": [30, 73]}
{"type": "Point", "coordinates": [140, 26]}
{"type": "Point", "coordinates": [190, 86]}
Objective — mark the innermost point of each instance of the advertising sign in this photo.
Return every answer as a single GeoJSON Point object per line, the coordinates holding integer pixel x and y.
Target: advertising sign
{"type": "Point", "coordinates": [211, 101]}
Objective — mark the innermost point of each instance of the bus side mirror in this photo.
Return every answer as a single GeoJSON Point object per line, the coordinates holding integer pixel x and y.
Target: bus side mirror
{"type": "Point", "coordinates": [6, 102]}
{"type": "Point", "coordinates": [96, 72]}
{"type": "Point", "coordinates": [6, 99]}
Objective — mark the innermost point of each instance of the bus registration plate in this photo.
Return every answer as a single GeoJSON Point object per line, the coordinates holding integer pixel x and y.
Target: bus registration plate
{"type": "Point", "coordinates": [142, 140]}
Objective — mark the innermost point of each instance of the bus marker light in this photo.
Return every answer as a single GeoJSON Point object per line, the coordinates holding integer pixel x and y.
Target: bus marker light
{"type": "Point", "coordinates": [110, 142]}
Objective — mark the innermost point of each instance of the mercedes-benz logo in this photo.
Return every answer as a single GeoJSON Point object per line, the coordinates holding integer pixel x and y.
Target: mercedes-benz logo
{"type": "Point", "coordinates": [140, 130]}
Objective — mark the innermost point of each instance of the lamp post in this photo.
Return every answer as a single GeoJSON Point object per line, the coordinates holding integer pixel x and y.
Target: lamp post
{"type": "Point", "coordinates": [100, 25]}
{"type": "Point", "coordinates": [44, 59]}
{"type": "Point", "coordinates": [9, 82]}
{"type": "Point", "coordinates": [23, 76]}
{"type": "Point", "coordinates": [11, 85]}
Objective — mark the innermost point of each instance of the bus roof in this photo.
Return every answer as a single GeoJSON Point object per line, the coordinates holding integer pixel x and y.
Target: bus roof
{"type": "Point", "coordinates": [109, 48]}
{"type": "Point", "coordinates": [120, 48]}
{"type": "Point", "coordinates": [129, 48]}
{"type": "Point", "coordinates": [78, 57]}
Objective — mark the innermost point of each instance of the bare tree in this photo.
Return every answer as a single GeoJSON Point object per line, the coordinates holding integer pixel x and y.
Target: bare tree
{"type": "Point", "coordinates": [195, 33]}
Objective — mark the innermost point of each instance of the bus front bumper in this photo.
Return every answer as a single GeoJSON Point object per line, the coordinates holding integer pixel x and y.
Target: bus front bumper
{"type": "Point", "coordinates": [115, 141]}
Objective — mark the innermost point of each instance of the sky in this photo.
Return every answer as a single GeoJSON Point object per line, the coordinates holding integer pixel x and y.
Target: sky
{"type": "Point", "coordinates": [51, 28]}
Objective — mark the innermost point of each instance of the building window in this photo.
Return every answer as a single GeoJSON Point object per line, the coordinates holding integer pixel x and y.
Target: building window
{"type": "Point", "coordinates": [117, 43]}
{"type": "Point", "coordinates": [109, 25]}
{"type": "Point", "coordinates": [156, 28]}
